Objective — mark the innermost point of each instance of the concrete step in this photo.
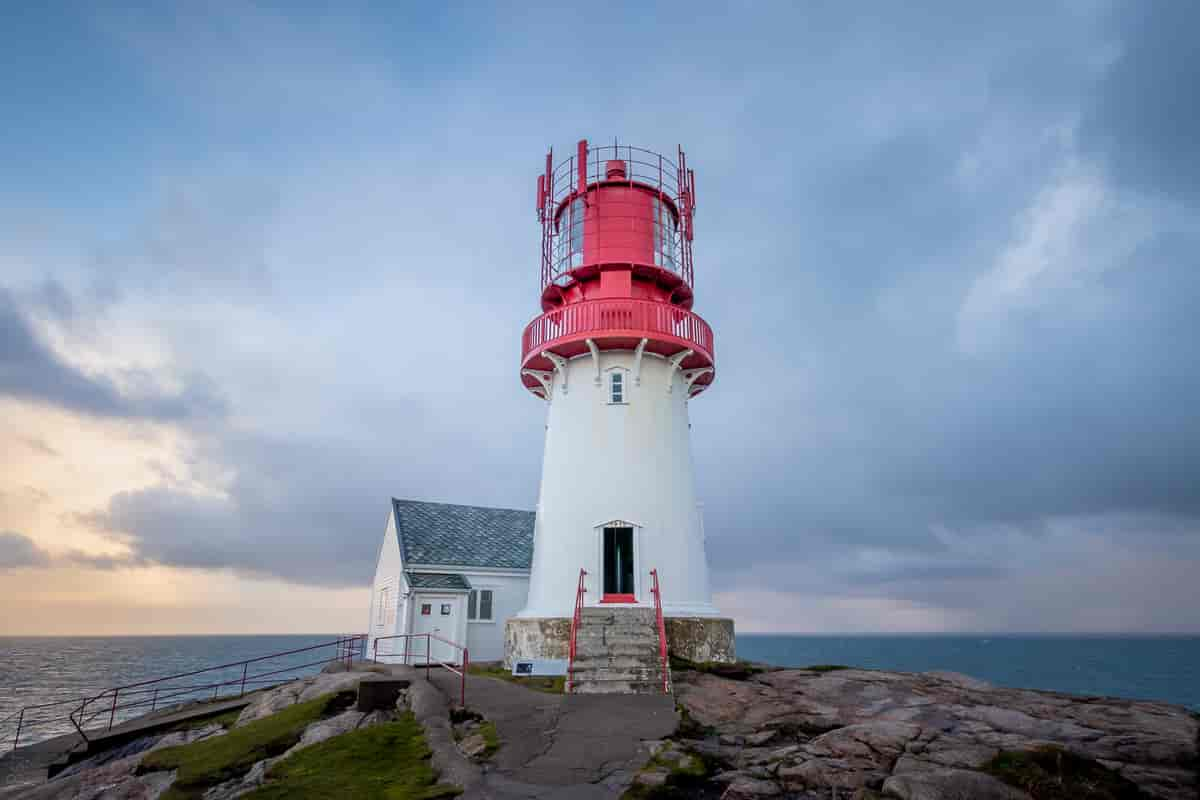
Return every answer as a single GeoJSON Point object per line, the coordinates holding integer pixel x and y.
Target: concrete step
{"type": "Point", "coordinates": [613, 614]}
{"type": "Point", "coordinates": [616, 637]}
{"type": "Point", "coordinates": [624, 627]}
{"type": "Point", "coordinates": [616, 687]}
{"type": "Point", "coordinates": [622, 674]}
{"type": "Point", "coordinates": [599, 647]}
{"type": "Point", "coordinates": [617, 662]}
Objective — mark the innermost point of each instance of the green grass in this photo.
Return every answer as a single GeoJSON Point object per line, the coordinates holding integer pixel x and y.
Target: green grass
{"type": "Point", "coordinates": [1051, 773]}
{"type": "Point", "coordinates": [206, 763]}
{"type": "Point", "coordinates": [488, 731]}
{"type": "Point", "coordinates": [737, 671]}
{"type": "Point", "coordinates": [384, 762]}
{"type": "Point", "coordinates": [686, 776]}
{"type": "Point", "coordinates": [542, 683]}
{"type": "Point", "coordinates": [827, 667]}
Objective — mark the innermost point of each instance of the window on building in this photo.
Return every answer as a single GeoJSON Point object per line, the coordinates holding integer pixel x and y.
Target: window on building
{"type": "Point", "coordinates": [479, 605]}
{"type": "Point", "coordinates": [616, 386]}
{"type": "Point", "coordinates": [381, 612]}
{"type": "Point", "coordinates": [426, 609]}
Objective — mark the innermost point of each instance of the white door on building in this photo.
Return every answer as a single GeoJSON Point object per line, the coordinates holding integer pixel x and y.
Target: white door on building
{"type": "Point", "coordinates": [439, 615]}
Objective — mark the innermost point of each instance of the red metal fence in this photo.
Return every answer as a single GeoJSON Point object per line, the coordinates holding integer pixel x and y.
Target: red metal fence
{"type": "Point", "coordinates": [662, 631]}
{"type": "Point", "coordinates": [409, 656]}
{"type": "Point", "coordinates": [112, 705]}
{"type": "Point", "coordinates": [670, 178]}
{"type": "Point", "coordinates": [574, 628]}
{"type": "Point", "coordinates": [146, 696]}
{"type": "Point", "coordinates": [622, 316]}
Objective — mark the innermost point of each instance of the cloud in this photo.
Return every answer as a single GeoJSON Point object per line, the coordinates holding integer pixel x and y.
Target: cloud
{"type": "Point", "coordinates": [951, 268]}
{"type": "Point", "coordinates": [1143, 119]}
{"type": "Point", "coordinates": [30, 370]}
{"type": "Point", "coordinates": [18, 551]}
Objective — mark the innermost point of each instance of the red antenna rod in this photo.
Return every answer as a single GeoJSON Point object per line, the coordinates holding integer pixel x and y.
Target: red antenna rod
{"type": "Point", "coordinates": [583, 153]}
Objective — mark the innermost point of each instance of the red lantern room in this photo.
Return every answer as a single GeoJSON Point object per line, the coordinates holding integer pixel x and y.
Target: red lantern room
{"type": "Point", "coordinates": [616, 268]}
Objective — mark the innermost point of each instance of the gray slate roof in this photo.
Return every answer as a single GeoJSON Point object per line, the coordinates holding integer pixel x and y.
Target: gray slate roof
{"type": "Point", "coordinates": [463, 536]}
{"type": "Point", "coordinates": [436, 580]}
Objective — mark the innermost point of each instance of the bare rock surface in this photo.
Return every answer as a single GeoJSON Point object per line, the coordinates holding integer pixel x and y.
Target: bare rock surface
{"type": "Point", "coordinates": [922, 736]}
{"type": "Point", "coordinates": [112, 774]}
{"type": "Point", "coordinates": [301, 691]}
{"type": "Point", "coordinates": [946, 784]}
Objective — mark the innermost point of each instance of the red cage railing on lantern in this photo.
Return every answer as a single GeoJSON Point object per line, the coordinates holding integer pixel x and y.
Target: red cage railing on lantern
{"type": "Point", "coordinates": [662, 631]}
{"type": "Point", "coordinates": [35, 722]}
{"type": "Point", "coordinates": [562, 232]}
{"type": "Point", "coordinates": [410, 656]}
{"type": "Point", "coordinates": [618, 317]}
{"type": "Point", "coordinates": [574, 629]}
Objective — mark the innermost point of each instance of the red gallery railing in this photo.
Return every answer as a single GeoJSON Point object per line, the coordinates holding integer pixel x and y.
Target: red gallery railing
{"type": "Point", "coordinates": [618, 317]}
{"type": "Point", "coordinates": [574, 628]}
{"type": "Point", "coordinates": [670, 179]}
{"type": "Point", "coordinates": [662, 631]}
{"type": "Point", "coordinates": [117, 703]}
{"type": "Point", "coordinates": [430, 662]}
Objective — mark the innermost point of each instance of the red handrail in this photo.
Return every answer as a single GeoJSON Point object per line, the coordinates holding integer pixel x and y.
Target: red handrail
{"type": "Point", "coordinates": [148, 693]}
{"type": "Point", "coordinates": [429, 660]}
{"type": "Point", "coordinates": [575, 627]}
{"type": "Point", "coordinates": [662, 632]}
{"type": "Point", "coordinates": [619, 317]}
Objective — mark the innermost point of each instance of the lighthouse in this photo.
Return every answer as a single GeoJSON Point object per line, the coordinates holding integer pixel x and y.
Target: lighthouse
{"type": "Point", "coordinates": [617, 354]}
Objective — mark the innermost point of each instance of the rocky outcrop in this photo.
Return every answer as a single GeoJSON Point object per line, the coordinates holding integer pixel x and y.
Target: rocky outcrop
{"type": "Point", "coordinates": [921, 736]}
{"type": "Point", "coordinates": [301, 691]}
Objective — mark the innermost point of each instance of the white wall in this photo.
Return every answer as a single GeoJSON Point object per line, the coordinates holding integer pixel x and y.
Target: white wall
{"type": "Point", "coordinates": [629, 462]}
{"type": "Point", "coordinates": [387, 575]}
{"type": "Point", "coordinates": [486, 639]}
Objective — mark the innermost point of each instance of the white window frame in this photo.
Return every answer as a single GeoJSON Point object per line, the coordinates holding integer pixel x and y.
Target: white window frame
{"type": "Point", "coordinates": [624, 382]}
{"type": "Point", "coordinates": [382, 611]}
{"type": "Point", "coordinates": [475, 593]}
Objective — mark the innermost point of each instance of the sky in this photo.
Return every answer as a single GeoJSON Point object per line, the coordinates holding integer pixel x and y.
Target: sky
{"type": "Point", "coordinates": [263, 267]}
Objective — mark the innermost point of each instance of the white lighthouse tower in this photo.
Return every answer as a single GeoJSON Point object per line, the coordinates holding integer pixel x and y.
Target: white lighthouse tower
{"type": "Point", "coordinates": [617, 354]}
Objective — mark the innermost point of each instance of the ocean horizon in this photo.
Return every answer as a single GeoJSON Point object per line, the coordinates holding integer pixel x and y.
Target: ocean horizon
{"type": "Point", "coordinates": [1158, 667]}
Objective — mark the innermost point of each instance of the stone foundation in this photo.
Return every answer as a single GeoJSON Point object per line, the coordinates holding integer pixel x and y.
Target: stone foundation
{"type": "Point", "coordinates": [701, 639]}
{"type": "Point", "coordinates": [693, 638]}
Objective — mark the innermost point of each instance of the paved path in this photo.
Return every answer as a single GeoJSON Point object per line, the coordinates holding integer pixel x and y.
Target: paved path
{"type": "Point", "coordinates": [561, 746]}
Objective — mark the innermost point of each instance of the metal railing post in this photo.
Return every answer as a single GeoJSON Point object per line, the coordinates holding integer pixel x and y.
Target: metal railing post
{"type": "Point", "coordinates": [154, 700]}
{"type": "Point", "coordinates": [465, 664]}
{"type": "Point", "coordinates": [242, 690]}
{"type": "Point", "coordinates": [428, 655]}
{"type": "Point", "coordinates": [113, 712]}
{"type": "Point", "coordinates": [406, 639]}
{"type": "Point", "coordinates": [20, 719]}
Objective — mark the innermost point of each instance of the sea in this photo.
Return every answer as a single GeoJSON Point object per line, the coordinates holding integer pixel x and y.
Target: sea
{"type": "Point", "coordinates": [39, 670]}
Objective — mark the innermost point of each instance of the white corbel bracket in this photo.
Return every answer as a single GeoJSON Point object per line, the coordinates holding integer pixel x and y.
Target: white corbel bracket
{"type": "Point", "coordinates": [675, 361]}
{"type": "Point", "coordinates": [637, 362]}
{"type": "Point", "coordinates": [560, 365]}
{"type": "Point", "coordinates": [691, 376]}
{"type": "Point", "coordinates": [595, 358]}
{"type": "Point", "coordinates": [546, 379]}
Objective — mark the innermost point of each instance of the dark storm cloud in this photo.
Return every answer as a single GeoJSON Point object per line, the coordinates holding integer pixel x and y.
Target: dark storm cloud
{"type": "Point", "coordinates": [29, 370]}
{"type": "Point", "coordinates": [1145, 119]}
